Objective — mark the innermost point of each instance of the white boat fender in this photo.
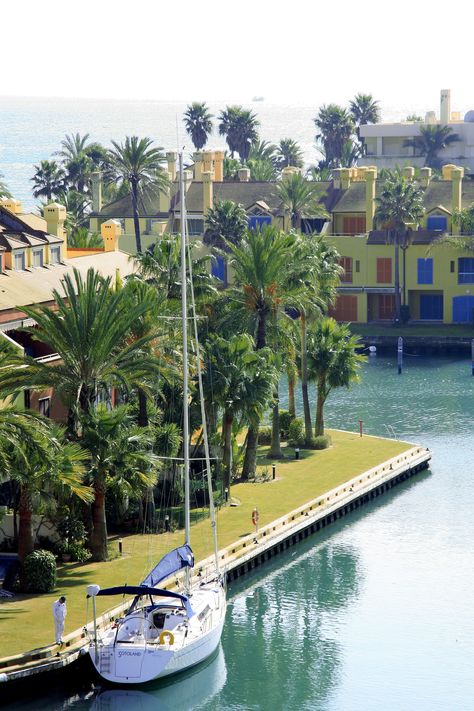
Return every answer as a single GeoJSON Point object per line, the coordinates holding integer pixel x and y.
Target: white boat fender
{"type": "Point", "coordinates": [3, 677]}
{"type": "Point", "coordinates": [93, 590]}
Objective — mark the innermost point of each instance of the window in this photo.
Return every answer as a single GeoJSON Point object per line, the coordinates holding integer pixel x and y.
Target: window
{"type": "Point", "coordinates": [19, 261]}
{"type": "Point", "coordinates": [345, 309]}
{"type": "Point", "coordinates": [38, 257]}
{"type": "Point", "coordinates": [384, 270]}
{"type": "Point", "coordinates": [465, 270]}
{"type": "Point", "coordinates": [354, 225]}
{"type": "Point", "coordinates": [256, 222]}
{"type": "Point", "coordinates": [386, 306]}
{"type": "Point", "coordinates": [437, 222]}
{"type": "Point", "coordinates": [218, 268]}
{"type": "Point", "coordinates": [55, 255]}
{"type": "Point", "coordinates": [425, 271]}
{"type": "Point", "coordinates": [452, 266]}
{"type": "Point", "coordinates": [357, 265]}
{"type": "Point", "coordinates": [195, 227]}
{"type": "Point", "coordinates": [346, 264]}
{"type": "Point", "coordinates": [44, 406]}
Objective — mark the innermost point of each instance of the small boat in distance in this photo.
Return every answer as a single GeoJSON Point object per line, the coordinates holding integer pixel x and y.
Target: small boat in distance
{"type": "Point", "coordinates": [258, 98]}
{"type": "Point", "coordinates": [164, 632]}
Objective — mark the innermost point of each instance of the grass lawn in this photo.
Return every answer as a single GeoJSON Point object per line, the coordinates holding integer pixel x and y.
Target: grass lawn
{"type": "Point", "coordinates": [26, 622]}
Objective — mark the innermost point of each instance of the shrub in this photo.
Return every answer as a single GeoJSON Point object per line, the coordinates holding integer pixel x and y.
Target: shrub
{"type": "Point", "coordinates": [296, 433]}
{"type": "Point", "coordinates": [321, 442]}
{"type": "Point", "coordinates": [285, 421]}
{"type": "Point", "coordinates": [38, 573]}
{"type": "Point", "coordinates": [79, 553]}
{"type": "Point", "coordinates": [265, 435]}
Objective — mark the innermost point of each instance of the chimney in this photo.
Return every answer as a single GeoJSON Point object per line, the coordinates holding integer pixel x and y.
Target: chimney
{"type": "Point", "coordinates": [346, 174]}
{"type": "Point", "coordinates": [207, 162]}
{"type": "Point", "coordinates": [457, 175]}
{"type": "Point", "coordinates": [164, 195]}
{"type": "Point", "coordinates": [111, 231]}
{"type": "Point", "coordinates": [207, 192]}
{"type": "Point", "coordinates": [447, 170]}
{"type": "Point", "coordinates": [288, 171]}
{"type": "Point", "coordinates": [370, 180]}
{"type": "Point", "coordinates": [445, 106]}
{"type": "Point", "coordinates": [425, 177]}
{"type": "Point", "coordinates": [55, 216]}
{"type": "Point", "coordinates": [219, 166]}
{"type": "Point", "coordinates": [408, 173]}
{"type": "Point", "coordinates": [11, 205]}
{"type": "Point", "coordinates": [336, 176]}
{"type": "Point", "coordinates": [96, 180]}
{"type": "Point", "coordinates": [171, 158]}
{"type": "Point", "coordinates": [197, 156]}
{"type": "Point", "coordinates": [244, 175]}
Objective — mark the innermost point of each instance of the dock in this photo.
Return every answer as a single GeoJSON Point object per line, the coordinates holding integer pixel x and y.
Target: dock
{"type": "Point", "coordinates": [245, 554]}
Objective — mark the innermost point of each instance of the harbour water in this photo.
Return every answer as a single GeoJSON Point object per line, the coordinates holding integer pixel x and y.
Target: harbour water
{"type": "Point", "coordinates": [373, 615]}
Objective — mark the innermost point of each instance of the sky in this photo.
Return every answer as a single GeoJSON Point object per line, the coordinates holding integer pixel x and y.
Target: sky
{"type": "Point", "coordinates": [297, 51]}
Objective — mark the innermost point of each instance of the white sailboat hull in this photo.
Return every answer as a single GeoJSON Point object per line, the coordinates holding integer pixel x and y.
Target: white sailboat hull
{"type": "Point", "coordinates": [140, 661]}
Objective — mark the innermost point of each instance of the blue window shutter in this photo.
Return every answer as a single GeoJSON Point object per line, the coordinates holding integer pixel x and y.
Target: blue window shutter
{"type": "Point", "coordinates": [218, 268]}
{"type": "Point", "coordinates": [425, 271]}
{"type": "Point", "coordinates": [465, 270]}
{"type": "Point", "coordinates": [437, 222]}
{"type": "Point", "coordinates": [255, 222]}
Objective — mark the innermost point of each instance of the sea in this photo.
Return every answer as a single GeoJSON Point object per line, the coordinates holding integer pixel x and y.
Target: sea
{"type": "Point", "coordinates": [31, 129]}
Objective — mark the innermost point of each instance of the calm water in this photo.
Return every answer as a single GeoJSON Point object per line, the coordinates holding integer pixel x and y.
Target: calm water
{"type": "Point", "coordinates": [375, 615]}
{"type": "Point", "coordinates": [31, 130]}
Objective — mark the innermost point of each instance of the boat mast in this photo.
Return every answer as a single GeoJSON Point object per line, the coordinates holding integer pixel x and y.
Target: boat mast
{"type": "Point", "coordinates": [184, 318]}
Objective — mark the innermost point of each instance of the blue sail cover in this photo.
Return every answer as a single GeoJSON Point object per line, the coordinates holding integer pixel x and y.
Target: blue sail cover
{"type": "Point", "coordinates": [173, 561]}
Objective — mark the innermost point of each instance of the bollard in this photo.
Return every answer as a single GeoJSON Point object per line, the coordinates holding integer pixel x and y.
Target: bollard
{"type": "Point", "coordinates": [226, 495]}
{"type": "Point", "coordinates": [273, 471]}
{"type": "Point", "coordinates": [297, 452]}
{"type": "Point", "coordinates": [167, 523]}
{"type": "Point", "coordinates": [120, 544]}
{"type": "Point", "coordinates": [361, 422]}
{"type": "Point", "coordinates": [400, 355]}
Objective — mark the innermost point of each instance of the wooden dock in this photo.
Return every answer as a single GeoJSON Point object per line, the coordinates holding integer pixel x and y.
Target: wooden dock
{"type": "Point", "coordinates": [245, 554]}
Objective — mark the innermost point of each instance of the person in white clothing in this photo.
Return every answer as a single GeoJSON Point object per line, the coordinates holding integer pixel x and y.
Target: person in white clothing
{"type": "Point", "coordinates": [59, 614]}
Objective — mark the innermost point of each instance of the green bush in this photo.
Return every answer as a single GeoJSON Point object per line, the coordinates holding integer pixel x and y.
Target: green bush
{"type": "Point", "coordinates": [321, 442]}
{"type": "Point", "coordinates": [265, 435]}
{"type": "Point", "coordinates": [38, 573]}
{"type": "Point", "coordinates": [285, 421]}
{"type": "Point", "coordinates": [296, 433]}
{"type": "Point", "coordinates": [78, 552]}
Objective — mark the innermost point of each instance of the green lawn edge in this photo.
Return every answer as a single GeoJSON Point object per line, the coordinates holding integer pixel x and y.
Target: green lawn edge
{"type": "Point", "coordinates": [26, 621]}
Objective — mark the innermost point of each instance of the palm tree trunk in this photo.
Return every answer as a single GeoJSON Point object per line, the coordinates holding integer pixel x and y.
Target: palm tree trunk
{"type": "Point", "coordinates": [291, 392]}
{"type": "Point", "coordinates": [250, 459]}
{"type": "Point", "coordinates": [275, 449]}
{"type": "Point", "coordinates": [136, 219]}
{"type": "Point", "coordinates": [142, 418]}
{"type": "Point", "coordinates": [26, 542]}
{"type": "Point", "coordinates": [304, 383]}
{"type": "Point", "coordinates": [227, 421]}
{"type": "Point", "coordinates": [397, 278]}
{"type": "Point", "coordinates": [99, 523]}
{"type": "Point", "coordinates": [320, 400]}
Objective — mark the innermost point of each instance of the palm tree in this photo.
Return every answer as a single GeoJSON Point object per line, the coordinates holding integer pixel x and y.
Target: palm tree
{"type": "Point", "coordinates": [300, 197]}
{"type": "Point", "coordinates": [335, 126]}
{"type": "Point", "coordinates": [49, 180]}
{"type": "Point", "coordinates": [141, 166]}
{"type": "Point", "coordinates": [333, 362]}
{"type": "Point", "coordinates": [262, 151]}
{"type": "Point", "coordinates": [77, 207]}
{"type": "Point", "coordinates": [198, 122]}
{"type": "Point", "coordinates": [120, 453]}
{"type": "Point", "coordinates": [226, 224]}
{"type": "Point", "coordinates": [4, 192]}
{"type": "Point", "coordinates": [73, 146]}
{"type": "Point", "coordinates": [81, 238]}
{"type": "Point", "coordinates": [400, 202]}
{"type": "Point", "coordinates": [241, 381]}
{"type": "Point", "coordinates": [88, 328]}
{"type": "Point", "coordinates": [432, 140]}
{"type": "Point", "coordinates": [289, 153]}
{"type": "Point", "coordinates": [239, 126]}
{"type": "Point", "coordinates": [262, 287]}
{"type": "Point", "coordinates": [364, 110]}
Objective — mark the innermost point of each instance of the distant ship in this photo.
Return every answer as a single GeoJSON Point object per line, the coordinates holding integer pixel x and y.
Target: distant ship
{"type": "Point", "coordinates": [258, 98]}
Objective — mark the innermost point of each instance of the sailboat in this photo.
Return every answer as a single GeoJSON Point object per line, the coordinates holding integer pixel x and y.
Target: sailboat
{"type": "Point", "coordinates": [164, 632]}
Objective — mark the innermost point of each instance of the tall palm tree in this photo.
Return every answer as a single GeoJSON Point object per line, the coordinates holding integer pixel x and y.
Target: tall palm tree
{"type": "Point", "coordinates": [262, 287]}
{"type": "Point", "coordinates": [198, 122]}
{"type": "Point", "coordinates": [333, 362]}
{"type": "Point", "coordinates": [432, 140]}
{"type": "Point", "coordinates": [400, 202]}
{"type": "Point", "coordinates": [300, 198]}
{"type": "Point", "coordinates": [240, 127]}
{"type": "Point", "coordinates": [72, 146]}
{"type": "Point", "coordinates": [364, 110]}
{"type": "Point", "coordinates": [241, 381]}
{"type": "Point", "coordinates": [49, 180]}
{"type": "Point", "coordinates": [226, 224]}
{"type": "Point", "coordinates": [141, 166]}
{"type": "Point", "coordinates": [88, 328]}
{"type": "Point", "coordinates": [81, 238]}
{"type": "Point", "coordinates": [289, 153]}
{"type": "Point", "coordinates": [78, 207]}
{"type": "Point", "coordinates": [335, 126]}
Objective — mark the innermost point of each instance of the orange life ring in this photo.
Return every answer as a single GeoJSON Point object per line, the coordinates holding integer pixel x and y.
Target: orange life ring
{"type": "Point", "coordinates": [255, 517]}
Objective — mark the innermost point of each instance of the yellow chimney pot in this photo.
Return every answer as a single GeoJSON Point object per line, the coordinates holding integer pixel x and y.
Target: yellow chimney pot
{"type": "Point", "coordinates": [111, 231]}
